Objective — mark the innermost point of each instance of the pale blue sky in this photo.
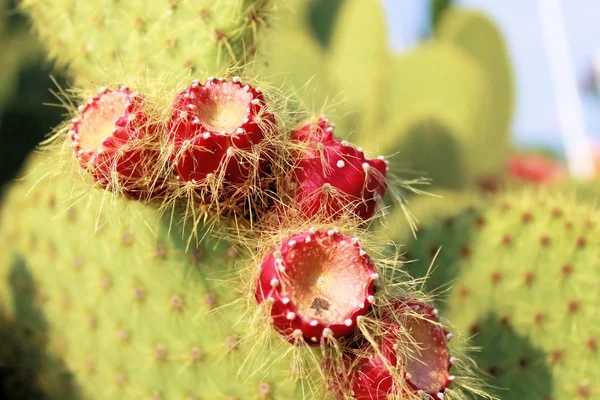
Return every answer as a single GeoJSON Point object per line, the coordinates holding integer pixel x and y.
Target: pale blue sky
{"type": "Point", "coordinates": [536, 112]}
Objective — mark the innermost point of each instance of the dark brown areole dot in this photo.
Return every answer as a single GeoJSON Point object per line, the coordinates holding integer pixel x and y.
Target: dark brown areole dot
{"type": "Point", "coordinates": [205, 14]}
{"type": "Point", "coordinates": [539, 318]}
{"type": "Point", "coordinates": [448, 222]}
{"type": "Point", "coordinates": [568, 225]}
{"type": "Point", "coordinates": [545, 241]}
{"type": "Point", "coordinates": [160, 353]}
{"type": "Point", "coordinates": [65, 302]}
{"type": "Point", "coordinates": [140, 24]}
{"type": "Point", "coordinates": [139, 294]}
{"type": "Point", "coordinates": [231, 342]}
{"type": "Point", "coordinates": [51, 250]}
{"type": "Point", "coordinates": [527, 217]}
{"type": "Point", "coordinates": [61, 346]}
{"type": "Point", "coordinates": [123, 335]}
{"type": "Point", "coordinates": [574, 306]}
{"type": "Point", "coordinates": [529, 278]}
{"type": "Point", "coordinates": [592, 344]}
{"type": "Point", "coordinates": [120, 379]}
{"type": "Point", "coordinates": [89, 366]}
{"type": "Point", "coordinates": [210, 299]}
{"type": "Point", "coordinates": [156, 396]}
{"type": "Point", "coordinates": [160, 252]}
{"type": "Point", "coordinates": [176, 303]}
{"type": "Point", "coordinates": [494, 371]}
{"type": "Point", "coordinates": [495, 278]}
{"type": "Point", "coordinates": [524, 362]}
{"type": "Point", "coordinates": [196, 253]}
{"type": "Point", "coordinates": [33, 241]}
{"type": "Point", "coordinates": [480, 221]}
{"type": "Point", "coordinates": [105, 282]}
{"type": "Point", "coordinates": [584, 390]}
{"type": "Point", "coordinates": [566, 270]}
{"type": "Point", "coordinates": [195, 354]}
{"type": "Point", "coordinates": [264, 390]}
{"type": "Point", "coordinates": [556, 356]}
{"type": "Point", "coordinates": [505, 206]}
{"type": "Point", "coordinates": [557, 213]}
{"type": "Point", "coordinates": [92, 321]}
{"type": "Point", "coordinates": [505, 321]}
{"type": "Point", "coordinates": [506, 240]}
{"type": "Point", "coordinates": [474, 329]}
{"type": "Point", "coordinates": [581, 242]}
{"type": "Point", "coordinates": [220, 36]}
{"type": "Point", "coordinates": [464, 293]}
{"type": "Point", "coordinates": [466, 252]}
{"type": "Point", "coordinates": [433, 250]}
{"type": "Point", "coordinates": [77, 263]}
{"type": "Point", "coordinates": [232, 252]}
{"type": "Point", "coordinates": [71, 214]}
{"type": "Point", "coordinates": [126, 239]}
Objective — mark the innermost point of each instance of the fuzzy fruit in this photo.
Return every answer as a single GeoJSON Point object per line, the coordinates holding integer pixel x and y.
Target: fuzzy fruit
{"type": "Point", "coordinates": [215, 128]}
{"type": "Point", "coordinates": [318, 282]}
{"type": "Point", "coordinates": [114, 142]}
{"type": "Point", "coordinates": [416, 346]}
{"type": "Point", "coordinates": [332, 178]}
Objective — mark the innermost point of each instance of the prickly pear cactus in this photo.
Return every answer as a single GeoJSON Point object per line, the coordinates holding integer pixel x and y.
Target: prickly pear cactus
{"type": "Point", "coordinates": [132, 311]}
{"type": "Point", "coordinates": [521, 275]}
{"type": "Point", "coordinates": [480, 37]}
{"type": "Point", "coordinates": [106, 41]}
{"type": "Point", "coordinates": [195, 233]}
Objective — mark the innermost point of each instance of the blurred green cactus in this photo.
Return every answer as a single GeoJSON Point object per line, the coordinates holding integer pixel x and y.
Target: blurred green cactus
{"type": "Point", "coordinates": [480, 37]}
{"type": "Point", "coordinates": [520, 275]}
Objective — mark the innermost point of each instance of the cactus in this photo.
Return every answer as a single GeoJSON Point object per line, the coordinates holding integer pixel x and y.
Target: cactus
{"type": "Point", "coordinates": [426, 139]}
{"type": "Point", "coordinates": [479, 36]}
{"type": "Point", "coordinates": [106, 41]}
{"type": "Point", "coordinates": [195, 231]}
{"type": "Point", "coordinates": [24, 85]}
{"type": "Point", "coordinates": [521, 275]}
{"type": "Point", "coordinates": [437, 81]}
{"type": "Point", "coordinates": [358, 57]}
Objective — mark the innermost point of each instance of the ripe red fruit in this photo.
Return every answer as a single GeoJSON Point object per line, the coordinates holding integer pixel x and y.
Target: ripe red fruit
{"type": "Point", "coordinates": [318, 282]}
{"type": "Point", "coordinates": [331, 177]}
{"type": "Point", "coordinates": [113, 140]}
{"type": "Point", "coordinates": [535, 169]}
{"type": "Point", "coordinates": [416, 347]}
{"type": "Point", "coordinates": [215, 128]}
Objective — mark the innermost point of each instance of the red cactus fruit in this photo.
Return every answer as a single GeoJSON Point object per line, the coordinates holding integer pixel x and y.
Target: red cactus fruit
{"type": "Point", "coordinates": [414, 346]}
{"type": "Point", "coordinates": [113, 140]}
{"type": "Point", "coordinates": [318, 282]}
{"type": "Point", "coordinates": [536, 169]}
{"type": "Point", "coordinates": [332, 177]}
{"type": "Point", "coordinates": [214, 128]}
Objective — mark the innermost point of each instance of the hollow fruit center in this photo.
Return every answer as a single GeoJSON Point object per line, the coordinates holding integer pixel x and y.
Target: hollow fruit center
{"type": "Point", "coordinates": [428, 360]}
{"type": "Point", "coordinates": [328, 281]}
{"type": "Point", "coordinates": [223, 107]}
{"type": "Point", "coordinates": [99, 119]}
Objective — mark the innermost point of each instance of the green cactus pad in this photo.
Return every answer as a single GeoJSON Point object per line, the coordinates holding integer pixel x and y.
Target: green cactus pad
{"type": "Point", "coordinates": [437, 81]}
{"type": "Point", "coordinates": [108, 41]}
{"type": "Point", "coordinates": [429, 149]}
{"type": "Point", "coordinates": [358, 63]}
{"type": "Point", "coordinates": [522, 274]}
{"type": "Point", "coordinates": [133, 314]}
{"type": "Point", "coordinates": [480, 37]}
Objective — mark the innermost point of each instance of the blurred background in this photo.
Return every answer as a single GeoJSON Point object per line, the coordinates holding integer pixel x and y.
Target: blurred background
{"type": "Point", "coordinates": [471, 90]}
